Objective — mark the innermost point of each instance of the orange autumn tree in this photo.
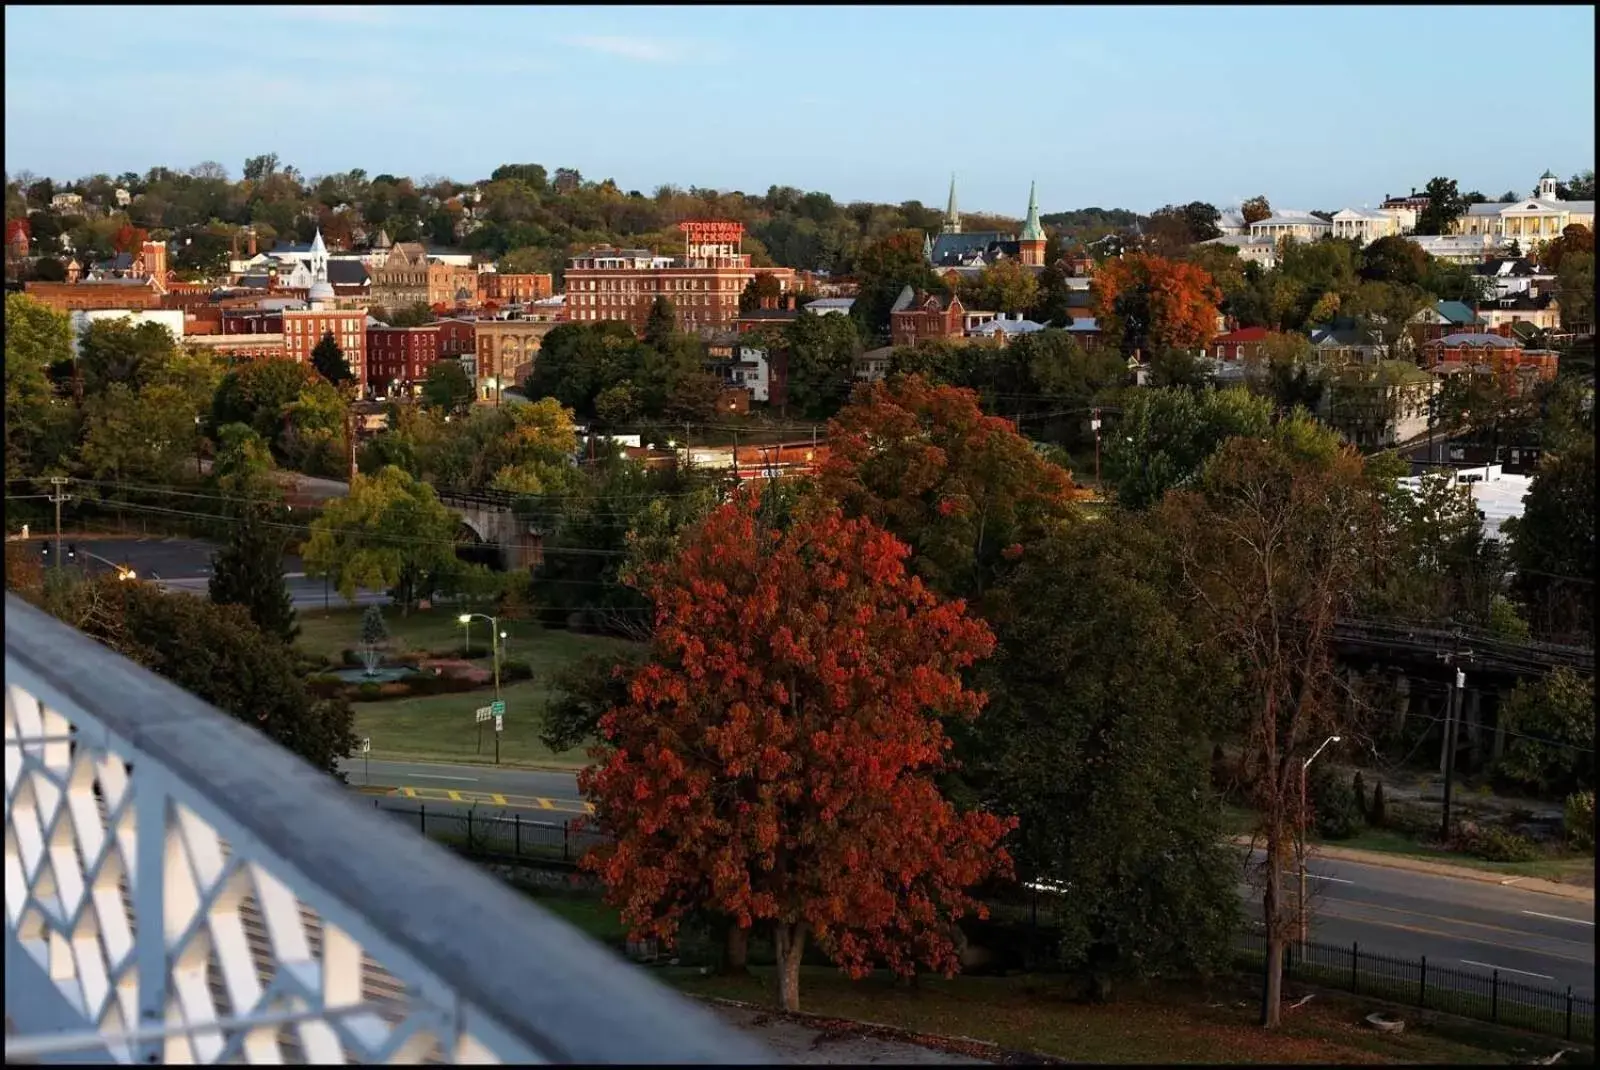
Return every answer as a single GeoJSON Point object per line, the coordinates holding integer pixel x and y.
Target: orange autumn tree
{"type": "Point", "coordinates": [965, 490]}
{"type": "Point", "coordinates": [1144, 302]}
{"type": "Point", "coordinates": [128, 239]}
{"type": "Point", "coordinates": [774, 762]}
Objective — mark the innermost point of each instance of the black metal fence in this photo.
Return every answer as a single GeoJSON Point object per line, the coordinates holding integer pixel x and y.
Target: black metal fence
{"type": "Point", "coordinates": [487, 834]}
{"type": "Point", "coordinates": [1487, 997]}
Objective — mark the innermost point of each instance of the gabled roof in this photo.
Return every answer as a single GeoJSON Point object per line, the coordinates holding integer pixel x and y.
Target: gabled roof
{"type": "Point", "coordinates": [1457, 312]}
{"type": "Point", "coordinates": [347, 273]}
{"type": "Point", "coordinates": [1342, 335]}
{"type": "Point", "coordinates": [951, 250]}
{"type": "Point", "coordinates": [1475, 341]}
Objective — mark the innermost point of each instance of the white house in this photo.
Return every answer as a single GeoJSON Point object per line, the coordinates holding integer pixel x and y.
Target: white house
{"type": "Point", "coordinates": [122, 196]}
{"type": "Point", "coordinates": [1297, 226]}
{"type": "Point", "coordinates": [1460, 248]}
{"type": "Point", "coordinates": [1496, 495]}
{"type": "Point", "coordinates": [1365, 225]}
{"type": "Point", "coordinates": [830, 306]}
{"type": "Point", "coordinates": [1529, 222]}
{"type": "Point", "coordinates": [1231, 223]}
{"type": "Point", "coordinates": [65, 202]}
{"type": "Point", "coordinates": [752, 370]}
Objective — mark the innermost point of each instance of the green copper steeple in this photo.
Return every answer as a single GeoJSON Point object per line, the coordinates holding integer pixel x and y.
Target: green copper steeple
{"type": "Point", "coordinates": [1031, 230]}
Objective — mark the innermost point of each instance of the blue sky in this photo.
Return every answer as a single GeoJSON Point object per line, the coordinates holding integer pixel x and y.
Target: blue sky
{"type": "Point", "coordinates": [1129, 107]}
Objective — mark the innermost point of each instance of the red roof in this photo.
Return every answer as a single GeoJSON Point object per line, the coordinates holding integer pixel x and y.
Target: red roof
{"type": "Point", "coordinates": [1243, 334]}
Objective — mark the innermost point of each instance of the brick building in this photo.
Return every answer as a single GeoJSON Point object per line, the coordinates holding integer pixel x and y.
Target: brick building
{"type": "Point", "coordinates": [929, 316]}
{"type": "Point", "coordinates": [304, 328]}
{"type": "Point", "coordinates": [452, 286]}
{"type": "Point", "coordinates": [241, 347]}
{"type": "Point", "coordinates": [703, 285]}
{"type": "Point", "coordinates": [108, 293]}
{"type": "Point", "coordinates": [515, 288]}
{"type": "Point", "coordinates": [1241, 344]}
{"type": "Point", "coordinates": [400, 356]}
{"type": "Point", "coordinates": [402, 279]}
{"type": "Point", "coordinates": [504, 352]}
{"type": "Point", "coordinates": [457, 338]}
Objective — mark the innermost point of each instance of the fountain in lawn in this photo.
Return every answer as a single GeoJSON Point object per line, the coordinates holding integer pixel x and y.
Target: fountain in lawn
{"type": "Point", "coordinates": [373, 634]}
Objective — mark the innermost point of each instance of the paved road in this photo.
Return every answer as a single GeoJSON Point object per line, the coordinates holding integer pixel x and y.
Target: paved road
{"type": "Point", "coordinates": [1467, 925]}
{"type": "Point", "coordinates": [185, 565]}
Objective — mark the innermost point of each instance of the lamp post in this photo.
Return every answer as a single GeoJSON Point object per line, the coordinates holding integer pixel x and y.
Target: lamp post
{"type": "Point", "coordinates": [1304, 767]}
{"type": "Point", "coordinates": [1094, 424]}
{"type": "Point", "coordinates": [199, 450]}
{"type": "Point", "coordinates": [494, 638]}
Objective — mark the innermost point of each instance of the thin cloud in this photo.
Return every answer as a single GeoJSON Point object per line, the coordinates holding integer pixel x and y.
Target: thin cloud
{"type": "Point", "coordinates": [639, 48]}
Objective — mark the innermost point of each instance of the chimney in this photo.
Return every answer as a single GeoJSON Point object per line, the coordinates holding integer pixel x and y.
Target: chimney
{"type": "Point", "coordinates": [251, 237]}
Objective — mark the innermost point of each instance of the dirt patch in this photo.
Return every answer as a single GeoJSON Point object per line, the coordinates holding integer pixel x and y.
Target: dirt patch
{"type": "Point", "coordinates": [814, 1039]}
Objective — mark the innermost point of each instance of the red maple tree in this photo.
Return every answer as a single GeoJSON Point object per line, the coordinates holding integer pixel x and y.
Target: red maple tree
{"type": "Point", "coordinates": [774, 762]}
{"type": "Point", "coordinates": [1144, 302]}
{"type": "Point", "coordinates": [128, 239]}
{"type": "Point", "coordinates": [959, 486]}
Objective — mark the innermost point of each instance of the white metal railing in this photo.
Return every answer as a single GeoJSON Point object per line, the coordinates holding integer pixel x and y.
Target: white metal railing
{"type": "Point", "coordinates": [181, 889]}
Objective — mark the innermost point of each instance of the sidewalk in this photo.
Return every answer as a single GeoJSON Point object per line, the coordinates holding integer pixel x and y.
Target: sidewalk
{"type": "Point", "coordinates": [1442, 869]}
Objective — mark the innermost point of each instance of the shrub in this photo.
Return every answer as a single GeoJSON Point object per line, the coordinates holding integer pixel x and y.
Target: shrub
{"type": "Point", "coordinates": [1376, 816]}
{"type": "Point", "coordinates": [351, 658]}
{"type": "Point", "coordinates": [429, 684]}
{"type": "Point", "coordinates": [1333, 805]}
{"type": "Point", "coordinates": [324, 685]}
{"type": "Point", "coordinates": [1359, 788]}
{"type": "Point", "coordinates": [369, 692]}
{"type": "Point", "coordinates": [515, 670]}
{"type": "Point", "coordinates": [394, 689]}
{"type": "Point", "coordinates": [1579, 821]}
{"type": "Point", "coordinates": [1495, 844]}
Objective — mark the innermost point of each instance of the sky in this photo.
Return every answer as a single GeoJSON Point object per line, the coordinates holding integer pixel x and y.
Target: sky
{"type": "Point", "coordinates": [1118, 107]}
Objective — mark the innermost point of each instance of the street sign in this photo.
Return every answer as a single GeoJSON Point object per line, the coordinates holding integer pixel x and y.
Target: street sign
{"type": "Point", "coordinates": [366, 744]}
{"type": "Point", "coordinates": [484, 713]}
{"type": "Point", "coordinates": [499, 707]}
{"type": "Point", "coordinates": [499, 722]}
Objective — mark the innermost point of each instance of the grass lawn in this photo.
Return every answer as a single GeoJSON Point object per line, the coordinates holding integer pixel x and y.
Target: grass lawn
{"type": "Point", "coordinates": [1388, 841]}
{"type": "Point", "coordinates": [441, 727]}
{"type": "Point", "coordinates": [1175, 1024]}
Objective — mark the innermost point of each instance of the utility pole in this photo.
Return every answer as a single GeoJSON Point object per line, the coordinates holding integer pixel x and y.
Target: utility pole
{"type": "Point", "coordinates": [1447, 761]}
{"type": "Point", "coordinates": [57, 496]}
{"type": "Point", "coordinates": [1094, 423]}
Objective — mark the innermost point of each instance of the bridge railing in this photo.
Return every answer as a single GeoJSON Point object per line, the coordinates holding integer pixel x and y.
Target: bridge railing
{"type": "Point", "coordinates": [179, 888]}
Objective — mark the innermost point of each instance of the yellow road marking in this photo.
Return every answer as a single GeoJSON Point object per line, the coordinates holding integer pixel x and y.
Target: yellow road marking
{"type": "Point", "coordinates": [499, 800]}
{"type": "Point", "coordinates": [410, 794]}
{"type": "Point", "coordinates": [1458, 921]}
{"type": "Point", "coordinates": [545, 804]}
{"type": "Point", "coordinates": [1454, 936]}
{"type": "Point", "coordinates": [455, 796]}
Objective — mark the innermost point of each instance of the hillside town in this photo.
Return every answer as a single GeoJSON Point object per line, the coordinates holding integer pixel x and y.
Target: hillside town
{"type": "Point", "coordinates": [1002, 598]}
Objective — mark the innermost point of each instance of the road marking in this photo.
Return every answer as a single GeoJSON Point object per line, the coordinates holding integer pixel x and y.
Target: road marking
{"type": "Point", "coordinates": [435, 776]}
{"type": "Point", "coordinates": [1558, 917]}
{"type": "Point", "coordinates": [410, 793]}
{"type": "Point", "coordinates": [545, 804]}
{"type": "Point", "coordinates": [455, 796]}
{"type": "Point", "coordinates": [1507, 969]}
{"type": "Point", "coordinates": [499, 800]}
{"type": "Point", "coordinates": [1317, 877]}
{"type": "Point", "coordinates": [1513, 880]}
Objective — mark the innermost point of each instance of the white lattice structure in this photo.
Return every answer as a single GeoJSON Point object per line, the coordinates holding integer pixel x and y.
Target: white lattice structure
{"type": "Point", "coordinates": [179, 889]}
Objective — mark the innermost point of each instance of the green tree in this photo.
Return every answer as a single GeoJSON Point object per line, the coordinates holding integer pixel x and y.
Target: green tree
{"type": "Point", "coordinates": [1445, 205]}
{"type": "Point", "coordinates": [1166, 436]}
{"type": "Point", "coordinates": [120, 351]}
{"type": "Point", "coordinates": [1575, 287]}
{"type": "Point", "coordinates": [248, 570]}
{"type": "Point", "coordinates": [661, 323]}
{"type": "Point", "coordinates": [1051, 306]}
{"type": "Point", "coordinates": [1006, 287]}
{"type": "Point", "coordinates": [216, 653]}
{"type": "Point", "coordinates": [1551, 748]}
{"type": "Point", "coordinates": [259, 394]}
{"type": "Point", "coordinates": [539, 450]}
{"type": "Point", "coordinates": [145, 437]}
{"type": "Point", "coordinates": [1553, 545]}
{"type": "Point", "coordinates": [1098, 705]}
{"type": "Point", "coordinates": [1394, 259]}
{"type": "Point", "coordinates": [36, 339]}
{"type": "Point", "coordinates": [763, 287]}
{"type": "Point", "coordinates": [391, 532]}
{"type": "Point", "coordinates": [447, 389]}
{"type": "Point", "coordinates": [884, 267]}
{"type": "Point", "coordinates": [584, 691]}
{"type": "Point", "coordinates": [328, 359]}
{"type": "Point", "coordinates": [1256, 209]}
{"type": "Point", "coordinates": [822, 352]}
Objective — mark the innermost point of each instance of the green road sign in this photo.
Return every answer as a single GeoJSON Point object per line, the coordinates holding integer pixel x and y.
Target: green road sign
{"type": "Point", "coordinates": [498, 707]}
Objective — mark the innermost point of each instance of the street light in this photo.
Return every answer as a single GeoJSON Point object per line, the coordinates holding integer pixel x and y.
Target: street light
{"type": "Point", "coordinates": [1304, 766]}
{"type": "Point", "coordinates": [494, 635]}
{"type": "Point", "coordinates": [199, 441]}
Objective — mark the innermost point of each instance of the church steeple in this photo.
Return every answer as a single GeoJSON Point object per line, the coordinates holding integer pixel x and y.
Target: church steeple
{"type": "Point", "coordinates": [1031, 230]}
{"type": "Point", "coordinates": [952, 218]}
{"type": "Point", "coordinates": [1032, 240]}
{"type": "Point", "coordinates": [927, 247]}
